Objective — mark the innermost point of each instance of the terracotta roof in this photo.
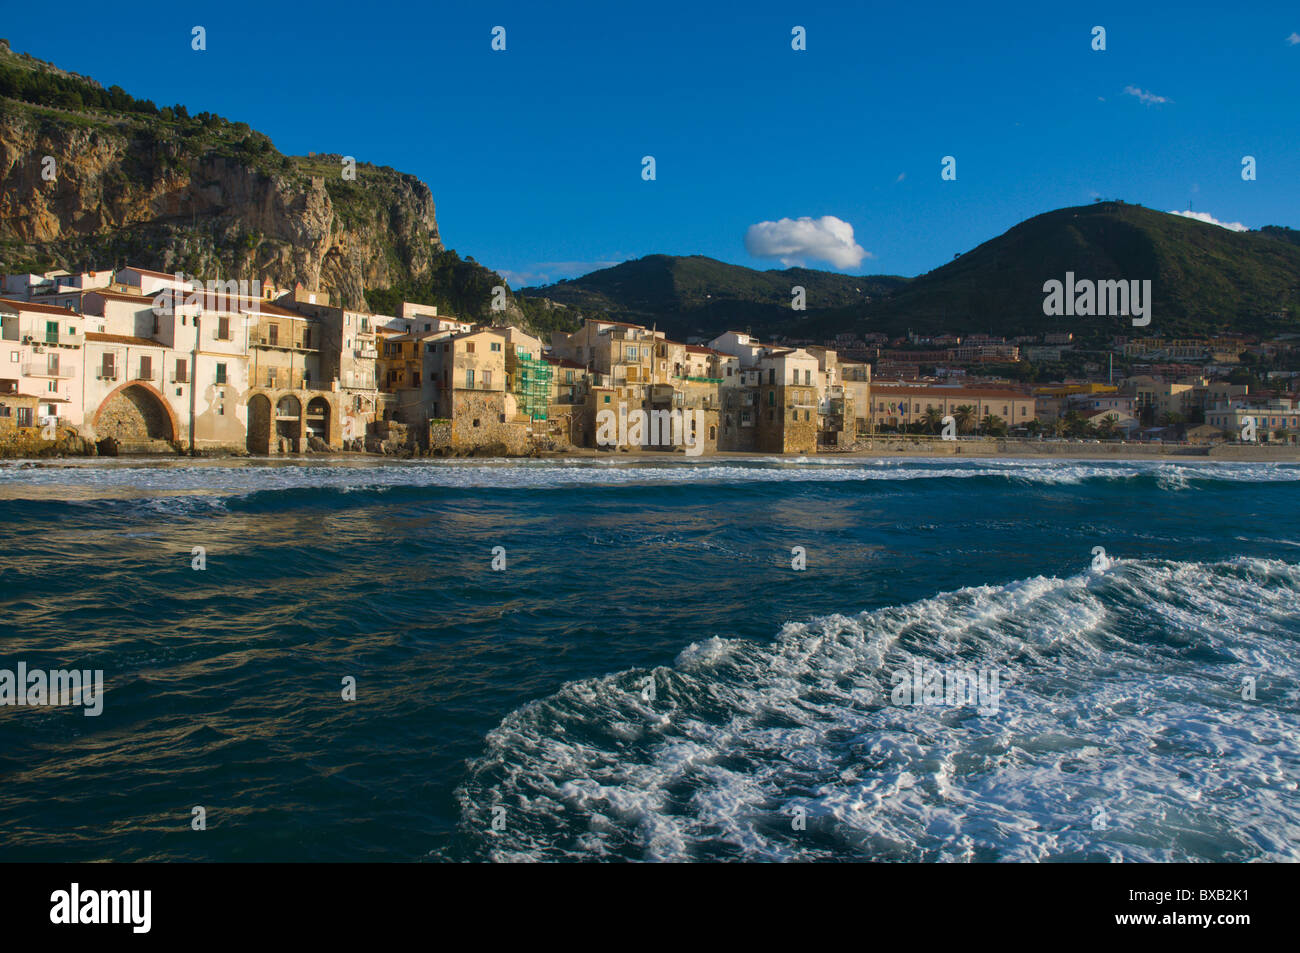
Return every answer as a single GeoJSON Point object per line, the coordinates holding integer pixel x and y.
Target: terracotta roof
{"type": "Point", "coordinates": [122, 339]}
{"type": "Point", "coordinates": [150, 271]}
{"type": "Point", "coordinates": [260, 306]}
{"type": "Point", "coordinates": [121, 295]}
{"type": "Point", "coordinates": [699, 349]}
{"type": "Point", "coordinates": [563, 362]}
{"type": "Point", "coordinates": [35, 306]}
{"type": "Point", "coordinates": [956, 393]}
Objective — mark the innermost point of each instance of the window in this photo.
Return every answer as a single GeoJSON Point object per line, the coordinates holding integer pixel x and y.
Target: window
{"type": "Point", "coordinates": [805, 414]}
{"type": "Point", "coordinates": [223, 329]}
{"type": "Point", "coordinates": [794, 415]}
{"type": "Point", "coordinates": [273, 333]}
{"type": "Point", "coordinates": [108, 366]}
{"type": "Point", "coordinates": [607, 398]}
{"type": "Point", "coordinates": [51, 332]}
{"type": "Point", "coordinates": [221, 373]}
{"type": "Point", "coordinates": [182, 370]}
{"type": "Point", "coordinates": [496, 345]}
{"type": "Point", "coordinates": [771, 375]}
{"type": "Point", "coordinates": [469, 375]}
{"type": "Point", "coordinates": [469, 347]}
{"type": "Point", "coordinates": [807, 376]}
{"type": "Point", "coordinates": [146, 367]}
{"type": "Point", "coordinates": [24, 417]}
{"type": "Point", "coordinates": [771, 398]}
{"type": "Point", "coordinates": [52, 364]}
{"type": "Point", "coordinates": [487, 379]}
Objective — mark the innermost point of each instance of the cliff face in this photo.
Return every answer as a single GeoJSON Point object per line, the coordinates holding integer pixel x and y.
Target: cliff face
{"type": "Point", "coordinates": [212, 200]}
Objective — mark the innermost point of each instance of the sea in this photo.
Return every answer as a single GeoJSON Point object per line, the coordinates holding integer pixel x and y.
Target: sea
{"type": "Point", "coordinates": [599, 659]}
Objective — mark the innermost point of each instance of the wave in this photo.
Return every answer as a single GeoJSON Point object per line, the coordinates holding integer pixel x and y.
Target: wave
{"type": "Point", "coordinates": [1120, 732]}
{"type": "Point", "coordinates": [99, 481]}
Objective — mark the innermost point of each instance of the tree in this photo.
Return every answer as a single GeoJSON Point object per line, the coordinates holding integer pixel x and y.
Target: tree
{"type": "Point", "coordinates": [1106, 426]}
{"type": "Point", "coordinates": [964, 415]}
{"type": "Point", "coordinates": [932, 419]}
{"type": "Point", "coordinates": [1075, 424]}
{"type": "Point", "coordinates": [993, 425]}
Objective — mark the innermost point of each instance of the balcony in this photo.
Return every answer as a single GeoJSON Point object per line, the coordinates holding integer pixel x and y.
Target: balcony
{"type": "Point", "coordinates": [288, 345]}
{"type": "Point", "coordinates": [32, 369]}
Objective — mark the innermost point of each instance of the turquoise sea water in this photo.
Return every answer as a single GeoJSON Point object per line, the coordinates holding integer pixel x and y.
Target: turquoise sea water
{"type": "Point", "coordinates": [648, 678]}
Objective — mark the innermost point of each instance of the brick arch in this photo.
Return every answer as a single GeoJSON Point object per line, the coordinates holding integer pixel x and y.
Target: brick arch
{"type": "Point", "coordinates": [152, 391]}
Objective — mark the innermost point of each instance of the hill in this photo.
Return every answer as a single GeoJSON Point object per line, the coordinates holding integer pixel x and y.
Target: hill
{"type": "Point", "coordinates": [1205, 279]}
{"type": "Point", "coordinates": [699, 296]}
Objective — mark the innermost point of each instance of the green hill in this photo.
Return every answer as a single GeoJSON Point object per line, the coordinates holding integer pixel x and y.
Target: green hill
{"type": "Point", "coordinates": [1205, 279]}
{"type": "Point", "coordinates": [695, 295]}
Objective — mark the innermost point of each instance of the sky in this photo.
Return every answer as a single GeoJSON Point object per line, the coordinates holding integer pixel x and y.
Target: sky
{"type": "Point", "coordinates": [765, 156]}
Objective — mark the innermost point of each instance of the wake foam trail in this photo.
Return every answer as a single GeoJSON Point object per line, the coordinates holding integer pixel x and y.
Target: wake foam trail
{"type": "Point", "coordinates": [1121, 733]}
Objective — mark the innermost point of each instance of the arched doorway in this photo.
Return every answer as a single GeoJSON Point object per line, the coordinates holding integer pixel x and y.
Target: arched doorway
{"type": "Point", "coordinates": [318, 419]}
{"type": "Point", "coordinates": [288, 424]}
{"type": "Point", "coordinates": [135, 415]}
{"type": "Point", "coordinates": [259, 424]}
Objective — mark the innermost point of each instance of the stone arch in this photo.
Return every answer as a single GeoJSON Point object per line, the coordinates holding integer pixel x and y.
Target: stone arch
{"type": "Point", "coordinates": [288, 424]}
{"type": "Point", "coordinates": [318, 418]}
{"type": "Point", "coordinates": [136, 410]}
{"type": "Point", "coordinates": [259, 424]}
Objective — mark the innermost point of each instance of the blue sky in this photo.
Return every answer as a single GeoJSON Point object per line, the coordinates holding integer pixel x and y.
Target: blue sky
{"type": "Point", "coordinates": [534, 154]}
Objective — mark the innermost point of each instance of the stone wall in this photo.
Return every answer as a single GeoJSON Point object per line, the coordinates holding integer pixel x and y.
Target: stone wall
{"type": "Point", "coordinates": [480, 421]}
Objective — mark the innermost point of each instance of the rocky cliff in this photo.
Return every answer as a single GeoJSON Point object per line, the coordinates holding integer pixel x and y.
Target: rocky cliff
{"type": "Point", "coordinates": [92, 177]}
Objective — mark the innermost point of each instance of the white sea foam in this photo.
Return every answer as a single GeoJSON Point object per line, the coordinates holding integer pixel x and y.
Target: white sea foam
{"type": "Point", "coordinates": [83, 480]}
{"type": "Point", "coordinates": [1121, 707]}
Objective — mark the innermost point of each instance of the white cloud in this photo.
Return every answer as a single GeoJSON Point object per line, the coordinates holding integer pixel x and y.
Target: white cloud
{"type": "Point", "coordinates": [1210, 219]}
{"type": "Point", "coordinates": [1293, 39]}
{"type": "Point", "coordinates": [1146, 97]}
{"type": "Point", "coordinates": [795, 240]}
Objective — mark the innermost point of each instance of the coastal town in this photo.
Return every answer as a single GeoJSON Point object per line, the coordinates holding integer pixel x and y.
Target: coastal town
{"type": "Point", "coordinates": [134, 360]}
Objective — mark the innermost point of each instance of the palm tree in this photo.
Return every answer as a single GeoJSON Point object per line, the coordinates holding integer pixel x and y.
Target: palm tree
{"type": "Point", "coordinates": [992, 424]}
{"type": "Point", "coordinates": [1106, 426]}
{"type": "Point", "coordinates": [932, 419]}
{"type": "Point", "coordinates": [1075, 425]}
{"type": "Point", "coordinates": [964, 415]}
